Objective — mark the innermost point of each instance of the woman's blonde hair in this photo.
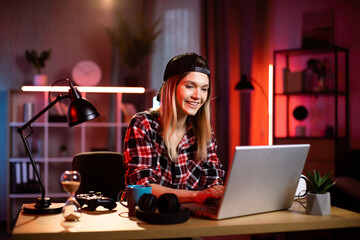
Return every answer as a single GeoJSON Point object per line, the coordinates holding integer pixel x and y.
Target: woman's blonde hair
{"type": "Point", "coordinates": [168, 116]}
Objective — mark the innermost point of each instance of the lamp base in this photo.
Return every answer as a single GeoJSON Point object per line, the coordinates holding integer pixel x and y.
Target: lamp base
{"type": "Point", "coordinates": [31, 208]}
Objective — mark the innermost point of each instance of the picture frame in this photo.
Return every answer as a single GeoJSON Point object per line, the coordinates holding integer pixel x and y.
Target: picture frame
{"type": "Point", "coordinates": [318, 29]}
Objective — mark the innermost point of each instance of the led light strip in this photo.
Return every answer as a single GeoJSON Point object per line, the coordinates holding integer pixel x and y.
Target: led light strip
{"type": "Point", "coordinates": [83, 89]}
{"type": "Point", "coordinates": [270, 107]}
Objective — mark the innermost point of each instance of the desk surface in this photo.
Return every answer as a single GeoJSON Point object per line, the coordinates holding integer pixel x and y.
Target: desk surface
{"type": "Point", "coordinates": [115, 224]}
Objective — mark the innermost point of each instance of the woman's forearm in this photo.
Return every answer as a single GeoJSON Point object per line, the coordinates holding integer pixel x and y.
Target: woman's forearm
{"type": "Point", "coordinates": [185, 196]}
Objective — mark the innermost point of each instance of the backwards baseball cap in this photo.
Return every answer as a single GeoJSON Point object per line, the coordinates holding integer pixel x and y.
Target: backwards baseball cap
{"type": "Point", "coordinates": [188, 62]}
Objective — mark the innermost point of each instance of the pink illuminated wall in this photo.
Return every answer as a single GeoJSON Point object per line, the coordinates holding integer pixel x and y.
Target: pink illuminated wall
{"type": "Point", "coordinates": [285, 33]}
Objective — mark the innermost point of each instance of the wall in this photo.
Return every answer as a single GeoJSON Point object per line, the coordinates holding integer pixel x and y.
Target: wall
{"type": "Point", "coordinates": [3, 153]}
{"type": "Point", "coordinates": [73, 30]}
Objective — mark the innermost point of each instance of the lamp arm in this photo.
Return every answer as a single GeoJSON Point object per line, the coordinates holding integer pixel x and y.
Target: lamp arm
{"type": "Point", "coordinates": [23, 137]}
{"type": "Point", "coordinates": [58, 98]}
{"type": "Point", "coordinates": [261, 89]}
{"type": "Point", "coordinates": [20, 130]}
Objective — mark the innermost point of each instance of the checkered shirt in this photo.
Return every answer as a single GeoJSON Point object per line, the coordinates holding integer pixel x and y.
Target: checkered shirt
{"type": "Point", "coordinates": [147, 161]}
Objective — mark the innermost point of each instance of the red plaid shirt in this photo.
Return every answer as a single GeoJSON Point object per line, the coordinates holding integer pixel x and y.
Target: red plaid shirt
{"type": "Point", "coordinates": [147, 161]}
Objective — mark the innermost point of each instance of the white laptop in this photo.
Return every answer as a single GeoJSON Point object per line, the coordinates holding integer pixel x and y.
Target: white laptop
{"type": "Point", "coordinates": [261, 179]}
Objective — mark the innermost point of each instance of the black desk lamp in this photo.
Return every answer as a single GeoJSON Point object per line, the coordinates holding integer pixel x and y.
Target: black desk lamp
{"type": "Point", "coordinates": [80, 110]}
{"type": "Point", "coordinates": [245, 85]}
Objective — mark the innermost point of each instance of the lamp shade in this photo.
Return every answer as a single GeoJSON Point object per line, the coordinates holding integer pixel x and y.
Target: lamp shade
{"type": "Point", "coordinates": [81, 110]}
{"type": "Point", "coordinates": [244, 85]}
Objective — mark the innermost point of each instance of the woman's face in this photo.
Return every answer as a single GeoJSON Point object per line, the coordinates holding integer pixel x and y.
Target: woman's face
{"type": "Point", "coordinates": [191, 93]}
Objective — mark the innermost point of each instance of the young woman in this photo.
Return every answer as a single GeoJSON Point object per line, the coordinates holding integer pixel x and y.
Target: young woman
{"type": "Point", "coordinates": [173, 148]}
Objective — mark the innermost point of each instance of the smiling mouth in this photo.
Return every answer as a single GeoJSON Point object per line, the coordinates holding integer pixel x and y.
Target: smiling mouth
{"type": "Point", "coordinates": [193, 104]}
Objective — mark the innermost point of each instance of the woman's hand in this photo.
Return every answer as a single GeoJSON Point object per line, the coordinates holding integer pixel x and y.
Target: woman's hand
{"type": "Point", "coordinates": [186, 196]}
{"type": "Point", "coordinates": [216, 192]}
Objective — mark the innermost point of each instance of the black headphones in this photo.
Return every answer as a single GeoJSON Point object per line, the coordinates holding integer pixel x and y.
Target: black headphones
{"type": "Point", "coordinates": [168, 206]}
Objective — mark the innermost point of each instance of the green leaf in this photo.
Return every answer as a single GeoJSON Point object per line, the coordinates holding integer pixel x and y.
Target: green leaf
{"type": "Point", "coordinates": [318, 184]}
{"type": "Point", "coordinates": [37, 61]}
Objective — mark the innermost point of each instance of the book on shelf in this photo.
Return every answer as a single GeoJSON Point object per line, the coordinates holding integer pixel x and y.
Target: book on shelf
{"type": "Point", "coordinates": [23, 178]}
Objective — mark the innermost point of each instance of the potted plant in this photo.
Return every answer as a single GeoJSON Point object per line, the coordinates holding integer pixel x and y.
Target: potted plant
{"type": "Point", "coordinates": [133, 41]}
{"type": "Point", "coordinates": [318, 197]}
{"type": "Point", "coordinates": [38, 62]}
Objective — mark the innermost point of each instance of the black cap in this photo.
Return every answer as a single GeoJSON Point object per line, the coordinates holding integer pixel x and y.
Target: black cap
{"type": "Point", "coordinates": [187, 62]}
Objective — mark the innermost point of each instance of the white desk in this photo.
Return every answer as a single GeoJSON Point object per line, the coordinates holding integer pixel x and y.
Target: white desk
{"type": "Point", "coordinates": [116, 225]}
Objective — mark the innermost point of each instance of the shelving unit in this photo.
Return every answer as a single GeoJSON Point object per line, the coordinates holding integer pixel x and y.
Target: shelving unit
{"type": "Point", "coordinates": [47, 138]}
{"type": "Point", "coordinates": [313, 81]}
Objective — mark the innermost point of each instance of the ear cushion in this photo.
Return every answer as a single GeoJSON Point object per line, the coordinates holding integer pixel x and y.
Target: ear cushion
{"type": "Point", "coordinates": [168, 203]}
{"type": "Point", "coordinates": [168, 206]}
{"type": "Point", "coordinates": [148, 202]}
{"type": "Point", "coordinates": [163, 218]}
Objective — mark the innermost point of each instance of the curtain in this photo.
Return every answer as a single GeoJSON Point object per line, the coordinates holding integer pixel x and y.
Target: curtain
{"type": "Point", "coordinates": [221, 44]}
{"type": "Point", "coordinates": [229, 31]}
{"type": "Point", "coordinates": [180, 21]}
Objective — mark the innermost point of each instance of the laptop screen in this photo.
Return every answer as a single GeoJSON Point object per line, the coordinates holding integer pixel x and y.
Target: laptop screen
{"type": "Point", "coordinates": [262, 179]}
